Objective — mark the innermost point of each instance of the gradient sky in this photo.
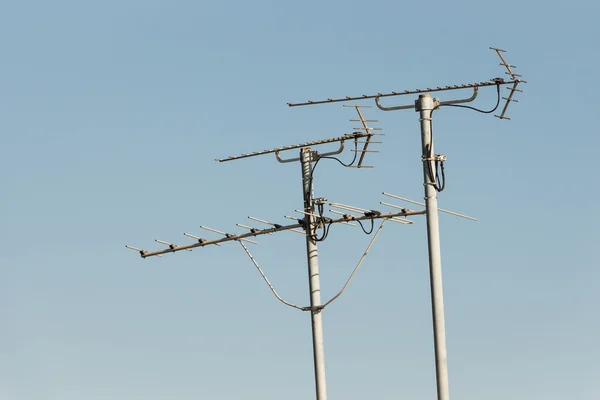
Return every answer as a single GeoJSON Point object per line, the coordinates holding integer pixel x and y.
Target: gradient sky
{"type": "Point", "coordinates": [111, 116]}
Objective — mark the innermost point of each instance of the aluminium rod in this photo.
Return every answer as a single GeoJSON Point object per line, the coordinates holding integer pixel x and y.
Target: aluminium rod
{"type": "Point", "coordinates": [422, 204]}
{"type": "Point", "coordinates": [226, 234]}
{"type": "Point", "coordinates": [275, 225]}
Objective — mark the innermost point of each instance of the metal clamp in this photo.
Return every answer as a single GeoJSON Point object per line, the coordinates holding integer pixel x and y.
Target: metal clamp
{"type": "Point", "coordinates": [436, 157]}
{"type": "Point", "coordinates": [314, 154]}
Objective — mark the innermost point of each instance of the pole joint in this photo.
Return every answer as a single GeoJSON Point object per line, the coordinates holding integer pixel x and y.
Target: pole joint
{"type": "Point", "coordinates": [424, 103]}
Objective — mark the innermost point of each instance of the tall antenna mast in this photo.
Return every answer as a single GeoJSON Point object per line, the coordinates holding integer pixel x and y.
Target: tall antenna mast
{"type": "Point", "coordinates": [313, 224]}
{"type": "Point", "coordinates": [433, 183]}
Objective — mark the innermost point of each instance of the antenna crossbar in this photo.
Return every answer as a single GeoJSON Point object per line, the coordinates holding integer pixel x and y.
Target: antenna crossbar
{"type": "Point", "coordinates": [367, 140]}
{"type": "Point", "coordinates": [421, 204]}
{"type": "Point", "coordinates": [514, 81]}
{"type": "Point", "coordinates": [493, 82]}
{"type": "Point", "coordinates": [348, 136]}
{"type": "Point", "coordinates": [230, 238]}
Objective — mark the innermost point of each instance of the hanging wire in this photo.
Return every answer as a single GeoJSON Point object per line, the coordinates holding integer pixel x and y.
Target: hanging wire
{"type": "Point", "coordinates": [477, 109]}
{"type": "Point", "coordinates": [383, 221]}
{"type": "Point", "coordinates": [434, 176]}
{"type": "Point", "coordinates": [322, 219]}
{"type": "Point", "coordinates": [325, 222]}
{"type": "Point", "coordinates": [363, 228]}
{"type": "Point", "coordinates": [267, 280]}
{"type": "Point", "coordinates": [437, 174]}
{"type": "Point", "coordinates": [340, 161]}
{"type": "Point", "coordinates": [360, 261]}
{"type": "Point", "coordinates": [312, 171]}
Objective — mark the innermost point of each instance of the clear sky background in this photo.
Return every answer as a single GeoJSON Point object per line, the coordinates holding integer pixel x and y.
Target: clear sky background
{"type": "Point", "coordinates": [111, 115]}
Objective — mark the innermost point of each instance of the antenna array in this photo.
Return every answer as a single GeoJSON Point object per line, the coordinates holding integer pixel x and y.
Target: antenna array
{"type": "Point", "coordinates": [254, 232]}
{"type": "Point", "coordinates": [363, 132]}
{"type": "Point", "coordinates": [312, 218]}
{"type": "Point", "coordinates": [434, 181]}
{"type": "Point", "coordinates": [515, 80]}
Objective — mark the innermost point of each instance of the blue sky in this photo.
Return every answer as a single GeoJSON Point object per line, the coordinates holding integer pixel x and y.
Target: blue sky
{"type": "Point", "coordinates": [112, 114]}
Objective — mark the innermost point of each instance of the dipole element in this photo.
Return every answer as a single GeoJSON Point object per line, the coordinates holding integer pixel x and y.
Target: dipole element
{"type": "Point", "coordinates": [313, 274]}
{"type": "Point", "coordinates": [425, 106]}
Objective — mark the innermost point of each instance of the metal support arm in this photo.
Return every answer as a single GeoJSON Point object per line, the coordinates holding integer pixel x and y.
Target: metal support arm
{"type": "Point", "coordinates": [407, 107]}
{"type": "Point", "coordinates": [332, 153]}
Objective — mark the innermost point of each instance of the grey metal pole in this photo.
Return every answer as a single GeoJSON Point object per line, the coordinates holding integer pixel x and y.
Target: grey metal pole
{"type": "Point", "coordinates": [313, 275]}
{"type": "Point", "coordinates": [425, 106]}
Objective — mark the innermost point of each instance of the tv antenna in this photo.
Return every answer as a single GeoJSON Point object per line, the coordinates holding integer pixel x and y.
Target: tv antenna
{"type": "Point", "coordinates": [433, 183]}
{"type": "Point", "coordinates": [311, 223]}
